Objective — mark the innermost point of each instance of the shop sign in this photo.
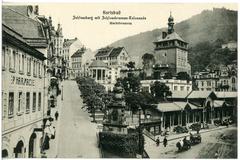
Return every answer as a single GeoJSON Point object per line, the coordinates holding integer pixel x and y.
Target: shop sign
{"type": "Point", "coordinates": [22, 81]}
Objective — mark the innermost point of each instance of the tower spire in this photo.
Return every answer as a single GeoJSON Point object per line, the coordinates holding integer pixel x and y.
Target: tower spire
{"type": "Point", "coordinates": [170, 24]}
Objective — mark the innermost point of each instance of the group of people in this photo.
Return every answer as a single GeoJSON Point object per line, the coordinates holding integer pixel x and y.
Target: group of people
{"type": "Point", "coordinates": [164, 141]}
{"type": "Point", "coordinates": [49, 131]}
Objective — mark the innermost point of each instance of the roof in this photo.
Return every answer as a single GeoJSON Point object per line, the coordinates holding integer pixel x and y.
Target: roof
{"type": "Point", "coordinates": [22, 9]}
{"type": "Point", "coordinates": [109, 51]}
{"type": "Point", "coordinates": [24, 25]}
{"type": "Point", "coordinates": [14, 38]}
{"type": "Point", "coordinates": [183, 105]}
{"type": "Point", "coordinates": [98, 63]}
{"type": "Point", "coordinates": [179, 94]}
{"type": "Point", "coordinates": [200, 94]}
{"type": "Point", "coordinates": [172, 36]}
{"type": "Point", "coordinates": [168, 107]}
{"type": "Point", "coordinates": [104, 51]}
{"type": "Point", "coordinates": [78, 53]}
{"type": "Point", "coordinates": [226, 94]}
{"type": "Point", "coordinates": [116, 51]}
{"type": "Point", "coordinates": [218, 103]}
{"type": "Point", "coordinates": [69, 42]}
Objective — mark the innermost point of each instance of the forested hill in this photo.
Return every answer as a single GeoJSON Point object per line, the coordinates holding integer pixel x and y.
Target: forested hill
{"type": "Point", "coordinates": [208, 26]}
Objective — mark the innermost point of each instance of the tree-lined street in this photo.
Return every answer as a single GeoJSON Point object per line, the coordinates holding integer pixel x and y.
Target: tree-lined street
{"type": "Point", "coordinates": [77, 135]}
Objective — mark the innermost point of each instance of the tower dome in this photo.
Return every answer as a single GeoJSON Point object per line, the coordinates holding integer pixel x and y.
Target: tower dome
{"type": "Point", "coordinates": [170, 19]}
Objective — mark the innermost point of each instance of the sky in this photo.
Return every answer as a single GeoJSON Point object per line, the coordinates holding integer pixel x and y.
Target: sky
{"type": "Point", "coordinates": [95, 34]}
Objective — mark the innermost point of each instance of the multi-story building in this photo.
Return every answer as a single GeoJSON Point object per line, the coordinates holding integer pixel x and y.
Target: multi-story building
{"type": "Point", "coordinates": [26, 78]}
{"type": "Point", "coordinates": [23, 94]}
{"type": "Point", "coordinates": [222, 78]}
{"type": "Point", "coordinates": [70, 46]}
{"type": "Point", "coordinates": [57, 56]}
{"type": "Point", "coordinates": [173, 84]}
{"type": "Point", "coordinates": [77, 62]}
{"type": "Point", "coordinates": [111, 61]}
{"type": "Point", "coordinates": [171, 51]}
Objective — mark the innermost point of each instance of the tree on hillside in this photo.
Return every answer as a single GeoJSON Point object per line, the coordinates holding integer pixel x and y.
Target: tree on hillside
{"type": "Point", "coordinates": [160, 90]}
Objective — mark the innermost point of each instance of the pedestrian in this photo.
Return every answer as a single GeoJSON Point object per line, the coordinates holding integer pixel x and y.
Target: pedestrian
{"type": "Point", "coordinates": [157, 141]}
{"type": "Point", "coordinates": [165, 141]}
{"type": "Point", "coordinates": [216, 155]}
{"type": "Point", "coordinates": [56, 115]}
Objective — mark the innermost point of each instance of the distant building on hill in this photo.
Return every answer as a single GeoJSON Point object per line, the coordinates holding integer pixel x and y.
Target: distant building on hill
{"type": "Point", "coordinates": [231, 45]}
{"type": "Point", "coordinates": [219, 78]}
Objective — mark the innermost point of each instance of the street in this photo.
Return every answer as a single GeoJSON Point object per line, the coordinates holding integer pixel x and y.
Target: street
{"type": "Point", "coordinates": [211, 142]}
{"type": "Point", "coordinates": [77, 135]}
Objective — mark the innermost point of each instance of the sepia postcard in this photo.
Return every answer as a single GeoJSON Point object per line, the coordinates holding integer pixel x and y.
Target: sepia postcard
{"type": "Point", "coordinates": [120, 80]}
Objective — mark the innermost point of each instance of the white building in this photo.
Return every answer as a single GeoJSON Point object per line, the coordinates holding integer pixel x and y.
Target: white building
{"type": "Point", "coordinates": [23, 96]}
{"type": "Point", "coordinates": [108, 64]}
{"type": "Point", "coordinates": [70, 46]}
{"type": "Point", "coordinates": [173, 84]}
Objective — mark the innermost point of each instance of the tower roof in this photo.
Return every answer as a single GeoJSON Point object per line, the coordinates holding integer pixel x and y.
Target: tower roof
{"type": "Point", "coordinates": [172, 36]}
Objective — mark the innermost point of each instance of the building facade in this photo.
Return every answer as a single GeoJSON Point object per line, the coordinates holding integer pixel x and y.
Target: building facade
{"type": "Point", "coordinates": [171, 51]}
{"type": "Point", "coordinates": [70, 46]}
{"type": "Point", "coordinates": [222, 78]}
{"type": "Point", "coordinates": [111, 61]}
{"type": "Point", "coordinates": [173, 84]}
{"type": "Point", "coordinates": [23, 94]}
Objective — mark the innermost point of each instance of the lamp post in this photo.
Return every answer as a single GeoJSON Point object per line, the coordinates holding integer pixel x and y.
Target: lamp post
{"type": "Point", "coordinates": [139, 131]}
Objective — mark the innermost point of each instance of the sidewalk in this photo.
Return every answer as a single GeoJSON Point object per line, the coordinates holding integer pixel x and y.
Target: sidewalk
{"type": "Point", "coordinates": [53, 143]}
{"type": "Point", "coordinates": [182, 135]}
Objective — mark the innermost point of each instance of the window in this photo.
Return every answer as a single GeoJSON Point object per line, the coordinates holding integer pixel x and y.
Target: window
{"type": "Point", "coordinates": [10, 58]}
{"type": "Point", "coordinates": [14, 60]}
{"type": "Point", "coordinates": [39, 101]}
{"type": "Point", "coordinates": [19, 63]}
{"type": "Point", "coordinates": [182, 88]}
{"type": "Point", "coordinates": [3, 57]}
{"type": "Point", "coordinates": [202, 83]}
{"type": "Point", "coordinates": [22, 63]}
{"type": "Point", "coordinates": [175, 88]}
{"type": "Point", "coordinates": [34, 102]}
{"type": "Point", "coordinates": [27, 102]}
{"type": "Point", "coordinates": [10, 104]}
{"type": "Point", "coordinates": [233, 80]}
{"type": "Point", "coordinates": [29, 66]}
{"type": "Point", "coordinates": [208, 83]}
{"type": "Point", "coordinates": [19, 101]}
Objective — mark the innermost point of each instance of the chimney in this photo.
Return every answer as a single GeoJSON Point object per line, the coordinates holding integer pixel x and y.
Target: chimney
{"type": "Point", "coordinates": [164, 35]}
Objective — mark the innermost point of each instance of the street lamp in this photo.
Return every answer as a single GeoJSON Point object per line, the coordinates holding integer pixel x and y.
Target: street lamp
{"type": "Point", "coordinates": [139, 130]}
